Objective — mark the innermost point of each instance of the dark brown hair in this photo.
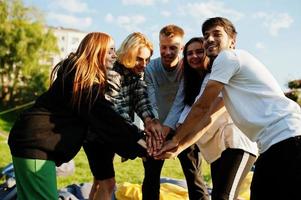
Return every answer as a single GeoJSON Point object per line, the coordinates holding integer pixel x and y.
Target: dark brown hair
{"type": "Point", "coordinates": [220, 21]}
{"type": "Point", "coordinates": [192, 79]}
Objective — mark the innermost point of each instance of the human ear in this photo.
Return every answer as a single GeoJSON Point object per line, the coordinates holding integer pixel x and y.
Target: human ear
{"type": "Point", "coordinates": [233, 43]}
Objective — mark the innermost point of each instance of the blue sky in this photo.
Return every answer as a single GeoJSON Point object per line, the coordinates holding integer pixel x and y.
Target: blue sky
{"type": "Point", "coordinates": [269, 29]}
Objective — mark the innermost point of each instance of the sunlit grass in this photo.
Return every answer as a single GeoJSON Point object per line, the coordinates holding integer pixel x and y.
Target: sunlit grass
{"type": "Point", "coordinates": [130, 171]}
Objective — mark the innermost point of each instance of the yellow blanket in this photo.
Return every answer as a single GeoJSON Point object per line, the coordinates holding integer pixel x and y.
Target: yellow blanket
{"type": "Point", "coordinates": [168, 191]}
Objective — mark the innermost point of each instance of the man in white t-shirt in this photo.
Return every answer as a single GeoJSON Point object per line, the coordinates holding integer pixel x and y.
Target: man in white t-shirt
{"type": "Point", "coordinates": [257, 106]}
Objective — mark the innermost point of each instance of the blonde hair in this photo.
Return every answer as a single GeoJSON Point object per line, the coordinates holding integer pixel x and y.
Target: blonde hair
{"type": "Point", "coordinates": [127, 53]}
{"type": "Point", "coordinates": [88, 63]}
{"type": "Point", "coordinates": [172, 31]}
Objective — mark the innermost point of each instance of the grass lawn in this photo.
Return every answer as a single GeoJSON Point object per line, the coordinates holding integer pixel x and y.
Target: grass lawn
{"type": "Point", "coordinates": [129, 171]}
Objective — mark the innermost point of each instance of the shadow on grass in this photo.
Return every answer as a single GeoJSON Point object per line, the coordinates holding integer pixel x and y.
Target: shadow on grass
{"type": "Point", "coordinates": [8, 119]}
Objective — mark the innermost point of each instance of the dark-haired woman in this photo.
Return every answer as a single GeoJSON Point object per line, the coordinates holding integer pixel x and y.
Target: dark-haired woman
{"type": "Point", "coordinates": [228, 151]}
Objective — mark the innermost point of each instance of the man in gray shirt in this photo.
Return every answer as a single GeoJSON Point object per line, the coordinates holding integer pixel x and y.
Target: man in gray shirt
{"type": "Point", "coordinates": [163, 76]}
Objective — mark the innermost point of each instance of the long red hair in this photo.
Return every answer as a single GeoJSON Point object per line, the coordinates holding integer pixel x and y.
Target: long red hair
{"type": "Point", "coordinates": [89, 64]}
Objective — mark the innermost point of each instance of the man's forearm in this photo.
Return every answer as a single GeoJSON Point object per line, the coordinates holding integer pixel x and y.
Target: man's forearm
{"type": "Point", "coordinates": [200, 117]}
{"type": "Point", "coordinates": [200, 129]}
{"type": "Point", "coordinates": [197, 119]}
{"type": "Point", "coordinates": [207, 118]}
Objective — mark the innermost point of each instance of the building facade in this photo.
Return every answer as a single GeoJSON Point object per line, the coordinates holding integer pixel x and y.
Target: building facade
{"type": "Point", "coordinates": [68, 41]}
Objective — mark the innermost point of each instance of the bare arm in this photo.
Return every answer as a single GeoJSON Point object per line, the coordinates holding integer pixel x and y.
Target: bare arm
{"type": "Point", "coordinates": [203, 126]}
{"type": "Point", "coordinates": [198, 121]}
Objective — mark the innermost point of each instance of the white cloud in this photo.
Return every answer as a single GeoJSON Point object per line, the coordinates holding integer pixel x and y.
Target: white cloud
{"type": "Point", "coordinates": [129, 23]}
{"type": "Point", "coordinates": [73, 6]}
{"type": "Point", "coordinates": [109, 18]}
{"type": "Point", "coordinates": [138, 2]}
{"type": "Point", "coordinates": [260, 45]}
{"type": "Point", "coordinates": [208, 9]}
{"type": "Point", "coordinates": [70, 20]}
{"type": "Point", "coordinates": [165, 13]}
{"type": "Point", "coordinates": [154, 31]}
{"type": "Point", "coordinates": [143, 2]}
{"type": "Point", "coordinates": [275, 21]}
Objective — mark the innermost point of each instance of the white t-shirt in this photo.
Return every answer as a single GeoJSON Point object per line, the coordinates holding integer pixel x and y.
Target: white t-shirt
{"type": "Point", "coordinates": [222, 134]}
{"type": "Point", "coordinates": [254, 100]}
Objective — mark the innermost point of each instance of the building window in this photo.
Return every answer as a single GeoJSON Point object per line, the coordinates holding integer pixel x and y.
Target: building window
{"type": "Point", "coordinates": [74, 40]}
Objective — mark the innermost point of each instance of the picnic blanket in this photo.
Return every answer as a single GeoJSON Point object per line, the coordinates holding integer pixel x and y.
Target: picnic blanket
{"type": "Point", "coordinates": [171, 189]}
{"type": "Point", "coordinates": [168, 191]}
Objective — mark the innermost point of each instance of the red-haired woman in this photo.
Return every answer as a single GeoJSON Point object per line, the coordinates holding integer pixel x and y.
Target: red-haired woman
{"type": "Point", "coordinates": [52, 131]}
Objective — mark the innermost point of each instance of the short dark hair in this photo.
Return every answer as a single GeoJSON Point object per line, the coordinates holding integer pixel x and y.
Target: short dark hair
{"type": "Point", "coordinates": [220, 21]}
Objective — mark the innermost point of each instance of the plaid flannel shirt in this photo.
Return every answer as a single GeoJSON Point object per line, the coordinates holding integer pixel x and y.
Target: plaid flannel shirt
{"type": "Point", "coordinates": [128, 93]}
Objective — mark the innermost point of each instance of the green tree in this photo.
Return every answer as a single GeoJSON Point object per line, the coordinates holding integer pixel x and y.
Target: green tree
{"type": "Point", "coordinates": [26, 47]}
{"type": "Point", "coordinates": [295, 91]}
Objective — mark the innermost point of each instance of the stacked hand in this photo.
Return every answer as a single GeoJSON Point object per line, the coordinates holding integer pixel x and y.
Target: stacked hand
{"type": "Point", "coordinates": [157, 146]}
{"type": "Point", "coordinates": [170, 149]}
{"type": "Point", "coordinates": [154, 135]}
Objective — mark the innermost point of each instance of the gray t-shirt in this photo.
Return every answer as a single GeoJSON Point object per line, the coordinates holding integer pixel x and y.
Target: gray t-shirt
{"type": "Point", "coordinates": [162, 87]}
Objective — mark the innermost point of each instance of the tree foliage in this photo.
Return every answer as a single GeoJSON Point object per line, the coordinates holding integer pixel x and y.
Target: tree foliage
{"type": "Point", "coordinates": [26, 46]}
{"type": "Point", "coordinates": [295, 91]}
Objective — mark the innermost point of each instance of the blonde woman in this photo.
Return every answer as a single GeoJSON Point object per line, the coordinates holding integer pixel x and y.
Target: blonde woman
{"type": "Point", "coordinates": [52, 131]}
{"type": "Point", "coordinates": [127, 92]}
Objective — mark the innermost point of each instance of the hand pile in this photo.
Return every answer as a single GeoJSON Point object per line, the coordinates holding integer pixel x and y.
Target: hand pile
{"type": "Point", "coordinates": [157, 145]}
